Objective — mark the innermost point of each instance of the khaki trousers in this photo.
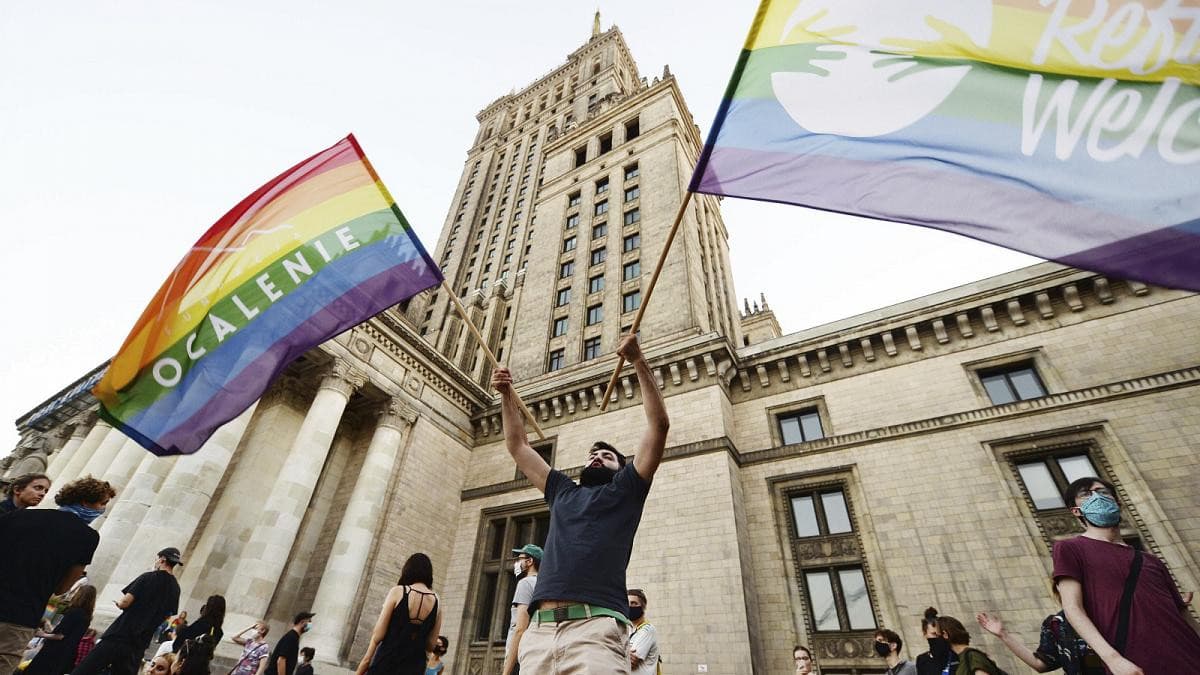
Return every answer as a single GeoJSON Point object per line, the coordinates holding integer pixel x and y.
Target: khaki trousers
{"type": "Point", "coordinates": [584, 646]}
{"type": "Point", "coordinates": [13, 641]}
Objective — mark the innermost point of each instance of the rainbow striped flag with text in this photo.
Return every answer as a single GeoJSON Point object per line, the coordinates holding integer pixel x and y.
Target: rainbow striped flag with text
{"type": "Point", "coordinates": [1068, 130]}
{"type": "Point", "coordinates": [317, 250]}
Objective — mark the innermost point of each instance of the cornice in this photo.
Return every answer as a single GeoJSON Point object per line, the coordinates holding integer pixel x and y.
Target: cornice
{"type": "Point", "coordinates": [1113, 391]}
{"type": "Point", "coordinates": [1010, 309]}
{"type": "Point", "coordinates": [432, 364]}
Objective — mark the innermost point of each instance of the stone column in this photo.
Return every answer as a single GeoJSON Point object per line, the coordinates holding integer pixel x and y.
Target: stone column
{"type": "Point", "coordinates": [73, 468]}
{"type": "Point", "coordinates": [64, 456]}
{"type": "Point", "coordinates": [347, 561]}
{"type": "Point", "coordinates": [265, 554]}
{"type": "Point", "coordinates": [149, 518]}
{"type": "Point", "coordinates": [128, 459]}
{"type": "Point", "coordinates": [104, 455]}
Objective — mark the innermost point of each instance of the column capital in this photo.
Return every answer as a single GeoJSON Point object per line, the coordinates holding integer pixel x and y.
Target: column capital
{"type": "Point", "coordinates": [82, 427]}
{"type": "Point", "coordinates": [343, 378]}
{"type": "Point", "coordinates": [397, 413]}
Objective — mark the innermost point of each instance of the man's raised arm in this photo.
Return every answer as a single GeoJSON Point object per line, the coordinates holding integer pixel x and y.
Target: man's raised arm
{"type": "Point", "coordinates": [528, 461]}
{"type": "Point", "coordinates": [650, 451]}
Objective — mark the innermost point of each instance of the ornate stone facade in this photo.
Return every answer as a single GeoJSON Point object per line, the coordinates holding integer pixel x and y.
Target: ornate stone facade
{"type": "Point", "coordinates": [816, 484]}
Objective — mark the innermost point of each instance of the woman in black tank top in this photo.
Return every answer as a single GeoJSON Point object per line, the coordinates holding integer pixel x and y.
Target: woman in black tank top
{"type": "Point", "coordinates": [408, 625]}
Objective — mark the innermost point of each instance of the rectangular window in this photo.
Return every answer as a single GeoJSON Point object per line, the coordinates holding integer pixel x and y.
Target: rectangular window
{"type": "Point", "coordinates": [599, 230]}
{"type": "Point", "coordinates": [631, 171]}
{"type": "Point", "coordinates": [602, 207]}
{"type": "Point", "coordinates": [633, 216]}
{"type": "Point", "coordinates": [632, 130]}
{"type": "Point", "coordinates": [591, 348]}
{"type": "Point", "coordinates": [821, 513]}
{"type": "Point", "coordinates": [573, 199]}
{"type": "Point", "coordinates": [580, 156]}
{"type": "Point", "coordinates": [602, 186]}
{"type": "Point", "coordinates": [599, 256]}
{"type": "Point", "coordinates": [631, 301]}
{"type": "Point", "coordinates": [1046, 478]}
{"type": "Point", "coordinates": [1011, 383]}
{"type": "Point", "coordinates": [800, 426]}
{"type": "Point", "coordinates": [596, 284]}
{"type": "Point", "coordinates": [560, 327]}
{"type": "Point", "coordinates": [572, 220]}
{"type": "Point", "coordinates": [631, 242]}
{"type": "Point", "coordinates": [566, 269]}
{"type": "Point", "coordinates": [568, 244]}
{"type": "Point", "coordinates": [631, 270]}
{"type": "Point", "coordinates": [595, 314]}
{"type": "Point", "coordinates": [556, 360]}
{"type": "Point", "coordinates": [606, 143]}
{"type": "Point", "coordinates": [563, 297]}
{"type": "Point", "coordinates": [632, 194]}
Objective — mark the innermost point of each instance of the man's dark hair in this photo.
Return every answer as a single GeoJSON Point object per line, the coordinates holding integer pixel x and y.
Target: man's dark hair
{"type": "Point", "coordinates": [890, 636]}
{"type": "Point", "coordinates": [302, 616]}
{"type": "Point", "coordinates": [21, 482]}
{"type": "Point", "coordinates": [639, 594]}
{"type": "Point", "coordinates": [214, 611]}
{"type": "Point", "coordinates": [956, 633]}
{"type": "Point", "coordinates": [605, 446]}
{"type": "Point", "coordinates": [1080, 484]}
{"type": "Point", "coordinates": [87, 489]}
{"type": "Point", "coordinates": [308, 653]}
{"type": "Point", "coordinates": [417, 569]}
{"type": "Point", "coordinates": [930, 619]}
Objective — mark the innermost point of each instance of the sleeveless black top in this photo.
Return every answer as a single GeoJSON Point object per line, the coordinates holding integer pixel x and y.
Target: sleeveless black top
{"type": "Point", "coordinates": [402, 651]}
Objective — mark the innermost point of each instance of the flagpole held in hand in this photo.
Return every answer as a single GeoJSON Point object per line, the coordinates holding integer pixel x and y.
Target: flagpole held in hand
{"type": "Point", "coordinates": [637, 319]}
{"type": "Point", "coordinates": [462, 312]}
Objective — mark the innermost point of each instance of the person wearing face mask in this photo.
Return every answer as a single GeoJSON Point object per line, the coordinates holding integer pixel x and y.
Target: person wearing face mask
{"type": "Point", "coordinates": [44, 553]}
{"type": "Point", "coordinates": [434, 664]}
{"type": "Point", "coordinates": [144, 604]}
{"type": "Point", "coordinates": [643, 644]}
{"type": "Point", "coordinates": [940, 659]}
{"type": "Point", "coordinates": [287, 651]}
{"type": "Point", "coordinates": [887, 645]}
{"type": "Point", "coordinates": [804, 660]}
{"type": "Point", "coordinates": [1120, 600]}
{"type": "Point", "coordinates": [254, 650]}
{"type": "Point", "coordinates": [579, 621]}
{"type": "Point", "coordinates": [525, 569]}
{"type": "Point", "coordinates": [26, 491]}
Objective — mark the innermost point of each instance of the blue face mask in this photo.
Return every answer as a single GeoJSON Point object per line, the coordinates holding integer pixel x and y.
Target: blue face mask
{"type": "Point", "coordinates": [1100, 510]}
{"type": "Point", "coordinates": [84, 512]}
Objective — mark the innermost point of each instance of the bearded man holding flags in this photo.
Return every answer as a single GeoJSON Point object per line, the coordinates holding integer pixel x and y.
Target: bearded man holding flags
{"type": "Point", "coordinates": [579, 614]}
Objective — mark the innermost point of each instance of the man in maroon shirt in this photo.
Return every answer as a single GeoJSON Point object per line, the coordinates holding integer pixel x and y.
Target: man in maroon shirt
{"type": "Point", "coordinates": [1090, 572]}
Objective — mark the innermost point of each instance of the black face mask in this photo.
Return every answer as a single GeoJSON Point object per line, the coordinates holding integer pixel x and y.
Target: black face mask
{"type": "Point", "coordinates": [939, 647]}
{"type": "Point", "coordinates": [883, 648]}
{"type": "Point", "coordinates": [593, 476]}
{"type": "Point", "coordinates": [636, 613]}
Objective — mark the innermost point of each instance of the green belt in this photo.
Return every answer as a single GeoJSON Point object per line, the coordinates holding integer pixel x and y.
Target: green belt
{"type": "Point", "coordinates": [577, 612]}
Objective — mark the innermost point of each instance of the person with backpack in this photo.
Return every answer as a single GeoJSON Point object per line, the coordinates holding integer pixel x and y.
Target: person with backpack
{"type": "Point", "coordinates": [971, 661]}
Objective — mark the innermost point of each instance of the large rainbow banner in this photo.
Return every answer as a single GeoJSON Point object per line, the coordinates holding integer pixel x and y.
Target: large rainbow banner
{"type": "Point", "coordinates": [317, 250]}
{"type": "Point", "coordinates": [1065, 129]}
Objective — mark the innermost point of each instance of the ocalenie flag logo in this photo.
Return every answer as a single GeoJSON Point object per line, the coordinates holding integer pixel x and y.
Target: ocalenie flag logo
{"type": "Point", "coordinates": [317, 250]}
{"type": "Point", "coordinates": [1066, 129]}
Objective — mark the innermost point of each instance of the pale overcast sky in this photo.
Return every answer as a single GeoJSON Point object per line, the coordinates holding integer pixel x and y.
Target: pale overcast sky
{"type": "Point", "coordinates": [128, 127]}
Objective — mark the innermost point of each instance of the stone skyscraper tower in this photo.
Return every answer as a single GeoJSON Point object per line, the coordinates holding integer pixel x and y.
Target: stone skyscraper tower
{"type": "Point", "coordinates": [566, 198]}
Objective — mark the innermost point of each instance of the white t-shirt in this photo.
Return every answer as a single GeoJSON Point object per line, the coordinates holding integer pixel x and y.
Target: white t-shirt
{"type": "Point", "coordinates": [644, 643]}
{"type": "Point", "coordinates": [522, 596]}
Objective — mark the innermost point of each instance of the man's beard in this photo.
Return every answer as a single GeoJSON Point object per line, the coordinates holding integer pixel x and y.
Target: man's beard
{"type": "Point", "coordinates": [594, 476]}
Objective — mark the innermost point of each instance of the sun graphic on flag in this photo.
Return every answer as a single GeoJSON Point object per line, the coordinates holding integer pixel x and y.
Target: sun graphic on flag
{"type": "Point", "coordinates": [864, 78]}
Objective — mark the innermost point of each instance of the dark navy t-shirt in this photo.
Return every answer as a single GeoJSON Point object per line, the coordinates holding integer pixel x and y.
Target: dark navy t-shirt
{"type": "Point", "coordinates": [590, 539]}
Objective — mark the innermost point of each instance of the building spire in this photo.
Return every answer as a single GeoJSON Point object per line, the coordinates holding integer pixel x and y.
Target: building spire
{"type": "Point", "coordinates": [596, 25]}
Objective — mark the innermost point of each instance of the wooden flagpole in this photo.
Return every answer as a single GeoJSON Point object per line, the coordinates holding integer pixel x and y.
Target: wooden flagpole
{"type": "Point", "coordinates": [637, 319]}
{"type": "Point", "coordinates": [462, 312]}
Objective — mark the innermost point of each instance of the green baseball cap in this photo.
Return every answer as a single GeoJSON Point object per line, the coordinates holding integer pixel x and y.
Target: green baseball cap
{"type": "Point", "coordinates": [532, 550]}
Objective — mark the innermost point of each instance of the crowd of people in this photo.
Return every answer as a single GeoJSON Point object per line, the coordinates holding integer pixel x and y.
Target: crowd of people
{"type": "Point", "coordinates": [571, 610]}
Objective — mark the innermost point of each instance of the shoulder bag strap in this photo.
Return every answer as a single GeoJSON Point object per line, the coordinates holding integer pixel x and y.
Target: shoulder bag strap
{"type": "Point", "coordinates": [1135, 570]}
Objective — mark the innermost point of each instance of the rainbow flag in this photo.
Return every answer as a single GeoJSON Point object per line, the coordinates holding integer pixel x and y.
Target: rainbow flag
{"type": "Point", "coordinates": [317, 250]}
{"type": "Point", "coordinates": [1068, 130]}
